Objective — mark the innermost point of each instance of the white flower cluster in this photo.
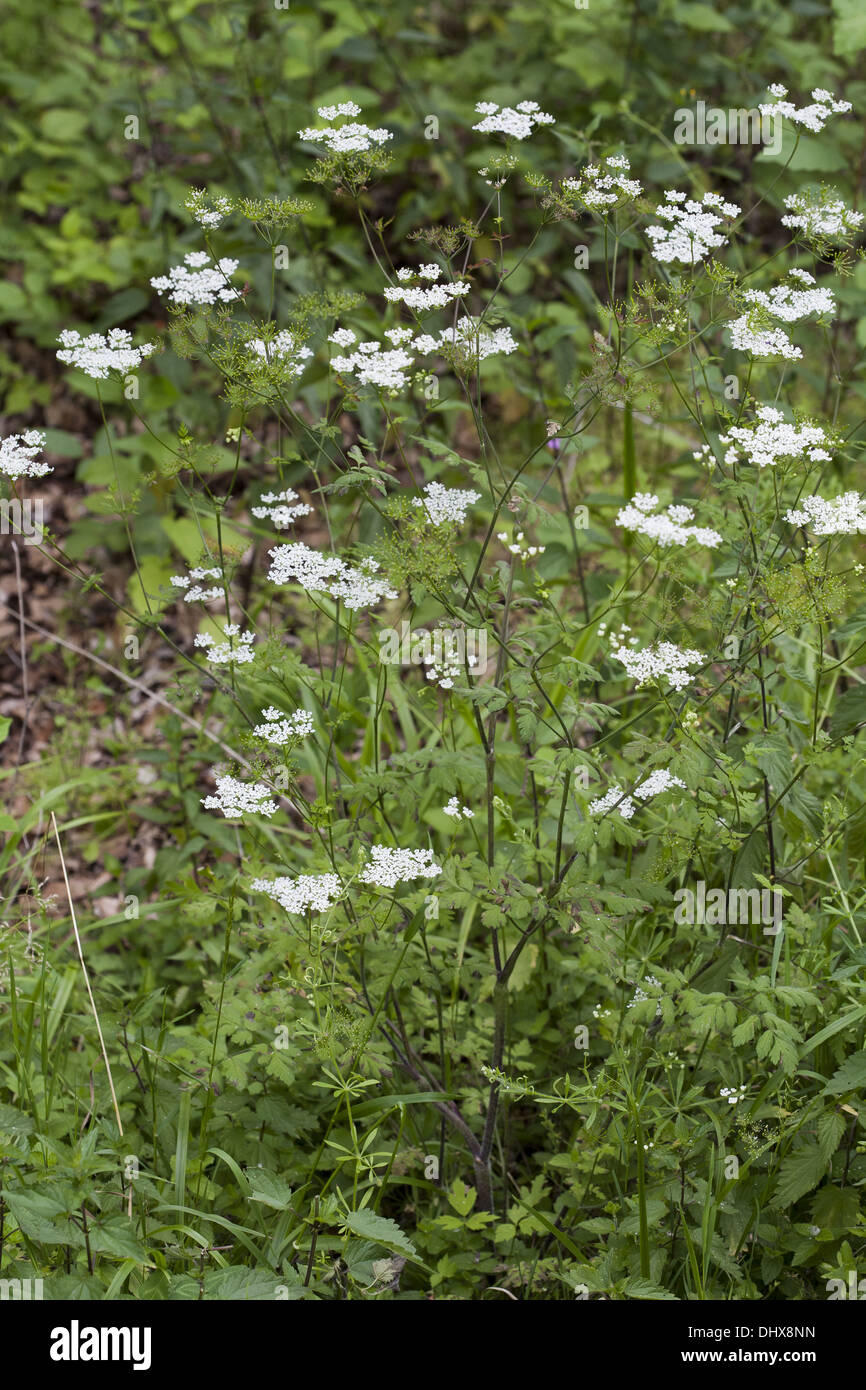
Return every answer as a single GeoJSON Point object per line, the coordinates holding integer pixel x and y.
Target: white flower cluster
{"type": "Point", "coordinates": [373, 367]}
{"type": "Point", "coordinates": [308, 893]}
{"type": "Point", "coordinates": [97, 355]}
{"type": "Point", "coordinates": [837, 516]}
{"type": "Point", "coordinates": [350, 138]}
{"type": "Point", "coordinates": [236, 798]}
{"type": "Point", "coordinates": [814, 117]}
{"type": "Point", "coordinates": [640, 995]}
{"type": "Point", "coordinates": [516, 121]}
{"type": "Point", "coordinates": [733, 1094]}
{"type": "Point", "coordinates": [457, 811]}
{"type": "Point", "coordinates": [228, 653]}
{"type": "Point", "coordinates": [445, 662]}
{"type": "Point", "coordinates": [198, 281]}
{"type": "Point", "coordinates": [822, 217]}
{"type": "Point", "coordinates": [191, 583]}
{"type": "Point", "coordinates": [692, 232]}
{"type": "Point", "coordinates": [283, 349]}
{"type": "Point", "coordinates": [208, 211]}
{"type": "Point", "coordinates": [469, 339]}
{"type": "Point", "coordinates": [432, 296]}
{"type": "Point", "coordinates": [18, 455]}
{"type": "Point", "coordinates": [387, 867]}
{"type": "Point", "coordinates": [785, 302]}
{"type": "Point", "coordinates": [281, 729]}
{"type": "Point", "coordinates": [661, 661]}
{"type": "Point", "coordinates": [665, 528]}
{"type": "Point", "coordinates": [518, 546]}
{"type": "Point", "coordinates": [774, 438]}
{"type": "Point", "coordinates": [445, 503]}
{"type": "Point", "coordinates": [356, 586]}
{"type": "Point", "coordinates": [282, 508]}
{"type": "Point", "coordinates": [659, 781]}
{"type": "Point", "coordinates": [605, 187]}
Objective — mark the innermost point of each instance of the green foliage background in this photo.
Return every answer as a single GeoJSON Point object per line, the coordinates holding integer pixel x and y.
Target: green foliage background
{"type": "Point", "coordinates": [240, 1147]}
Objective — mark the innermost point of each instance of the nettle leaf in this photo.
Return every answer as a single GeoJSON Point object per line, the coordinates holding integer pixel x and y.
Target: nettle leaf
{"type": "Point", "coordinates": [379, 1228]}
{"type": "Point", "coordinates": [799, 1173]}
{"type": "Point", "coordinates": [267, 1188]}
{"type": "Point", "coordinates": [849, 1077]}
{"type": "Point", "coordinates": [831, 1127]}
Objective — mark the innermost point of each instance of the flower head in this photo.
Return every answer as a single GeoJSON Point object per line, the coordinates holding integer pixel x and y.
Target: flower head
{"type": "Point", "coordinates": [198, 281]}
{"type": "Point", "coordinates": [18, 455]}
{"type": "Point", "coordinates": [97, 355]}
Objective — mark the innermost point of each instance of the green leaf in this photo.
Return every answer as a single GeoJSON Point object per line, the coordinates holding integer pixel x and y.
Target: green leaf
{"type": "Point", "coordinates": [379, 1228]}
{"type": "Point", "coordinates": [849, 27]}
{"type": "Point", "coordinates": [849, 1077]}
{"type": "Point", "coordinates": [799, 1173]}
{"type": "Point", "coordinates": [268, 1189]}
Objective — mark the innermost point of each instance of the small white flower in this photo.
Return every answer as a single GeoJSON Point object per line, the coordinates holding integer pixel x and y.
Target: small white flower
{"type": "Point", "coordinates": [18, 455]}
{"type": "Point", "coordinates": [281, 729]}
{"type": "Point", "coordinates": [228, 653]}
{"type": "Point", "coordinates": [457, 811]}
{"type": "Point", "coordinates": [733, 1094]}
{"type": "Point", "coordinates": [356, 586]}
{"type": "Point", "coordinates": [665, 528]}
{"type": "Point", "coordinates": [387, 867]}
{"type": "Point", "coordinates": [693, 230]}
{"type": "Point", "coordinates": [97, 355]}
{"type": "Point", "coordinates": [661, 661]}
{"type": "Point", "coordinates": [194, 592]}
{"type": "Point", "coordinates": [350, 138]}
{"type": "Point", "coordinates": [308, 893]}
{"type": "Point", "coordinates": [235, 798]}
{"type": "Point", "coordinates": [839, 516]}
{"type": "Point", "coordinates": [814, 117]}
{"type": "Point", "coordinates": [443, 504]}
{"type": "Point", "coordinates": [208, 211]}
{"type": "Point", "coordinates": [197, 281]}
{"type": "Point", "coordinates": [517, 122]}
{"type": "Point", "coordinates": [283, 508]}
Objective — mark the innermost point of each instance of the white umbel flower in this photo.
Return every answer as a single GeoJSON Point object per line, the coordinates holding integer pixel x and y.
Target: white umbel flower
{"type": "Point", "coordinates": [821, 216]}
{"type": "Point", "coordinates": [786, 302]}
{"type": "Point", "coordinates": [844, 515]}
{"type": "Point", "coordinates": [663, 661]}
{"type": "Point", "coordinates": [518, 122]}
{"type": "Point", "coordinates": [235, 798]}
{"type": "Point", "coordinates": [282, 508]}
{"type": "Point", "coordinates": [667, 528]}
{"type": "Point", "coordinates": [603, 188]}
{"type": "Point", "coordinates": [191, 583]}
{"type": "Point", "coordinates": [97, 355]}
{"type": "Point", "coordinates": [197, 281]}
{"type": "Point", "coordinates": [231, 652]}
{"type": "Point", "coordinates": [457, 811]}
{"type": "Point", "coordinates": [773, 438]}
{"type": "Point", "coordinates": [208, 210]}
{"type": "Point", "coordinates": [355, 586]}
{"type": "Point", "coordinates": [387, 867]}
{"type": "Point", "coordinates": [443, 504]}
{"type": "Point", "coordinates": [693, 227]}
{"type": "Point", "coordinates": [308, 893]}
{"type": "Point", "coordinates": [18, 455]}
{"type": "Point", "coordinates": [813, 117]}
{"type": "Point", "coordinates": [350, 138]}
{"type": "Point", "coordinates": [281, 729]}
